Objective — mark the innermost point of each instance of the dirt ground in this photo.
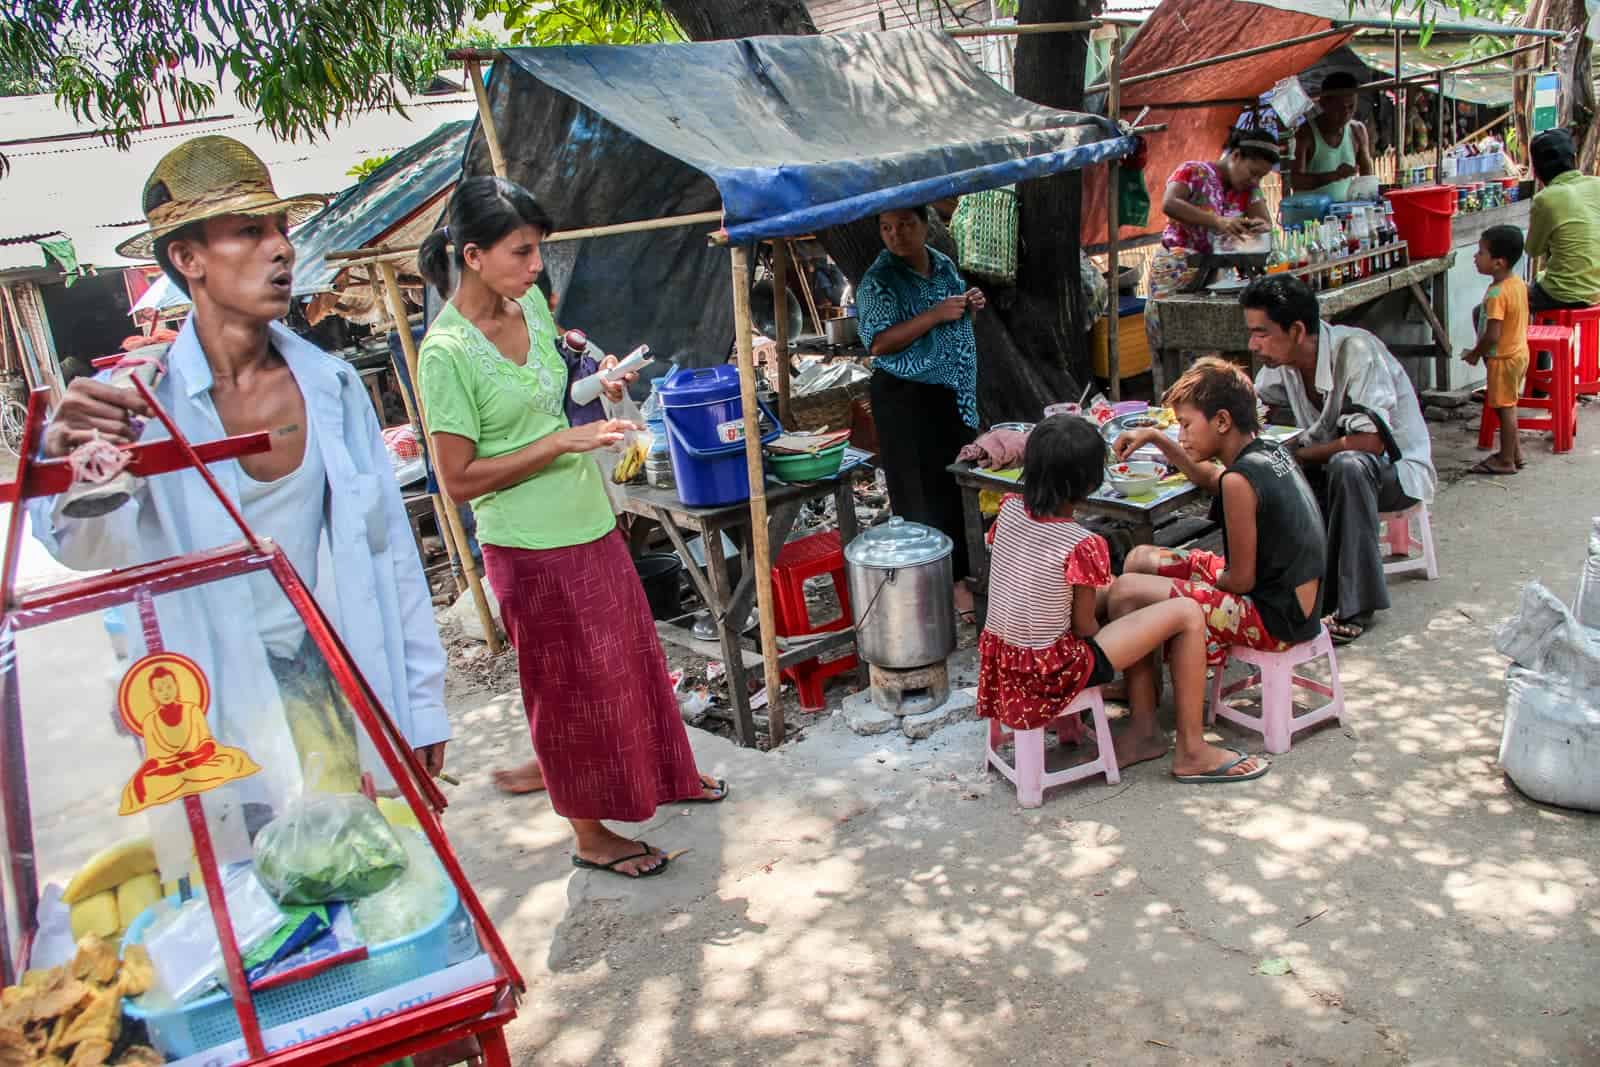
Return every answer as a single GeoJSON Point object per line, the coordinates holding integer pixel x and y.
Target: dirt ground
{"type": "Point", "coordinates": [874, 900]}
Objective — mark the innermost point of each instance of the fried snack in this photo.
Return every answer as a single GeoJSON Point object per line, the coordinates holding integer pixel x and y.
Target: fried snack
{"type": "Point", "coordinates": [96, 961]}
{"type": "Point", "coordinates": [100, 1021]}
{"type": "Point", "coordinates": [90, 1054]}
{"type": "Point", "coordinates": [59, 1001]}
{"type": "Point", "coordinates": [138, 974]}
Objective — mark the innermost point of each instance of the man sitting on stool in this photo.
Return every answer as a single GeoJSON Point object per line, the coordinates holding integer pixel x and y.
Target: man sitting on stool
{"type": "Point", "coordinates": [1563, 227]}
{"type": "Point", "coordinates": [1365, 448]}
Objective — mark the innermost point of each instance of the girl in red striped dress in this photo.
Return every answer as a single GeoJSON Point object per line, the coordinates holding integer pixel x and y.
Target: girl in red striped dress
{"type": "Point", "coordinates": [1041, 644]}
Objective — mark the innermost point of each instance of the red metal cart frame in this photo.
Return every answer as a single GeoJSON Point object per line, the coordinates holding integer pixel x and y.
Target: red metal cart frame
{"type": "Point", "coordinates": [473, 1017]}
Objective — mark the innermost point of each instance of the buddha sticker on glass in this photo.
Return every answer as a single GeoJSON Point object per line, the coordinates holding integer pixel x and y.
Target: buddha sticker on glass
{"type": "Point", "coordinates": [164, 699]}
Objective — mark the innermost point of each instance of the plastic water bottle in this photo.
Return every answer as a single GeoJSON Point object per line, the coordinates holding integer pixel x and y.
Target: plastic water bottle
{"type": "Point", "coordinates": [1586, 608]}
{"type": "Point", "coordinates": [462, 940]}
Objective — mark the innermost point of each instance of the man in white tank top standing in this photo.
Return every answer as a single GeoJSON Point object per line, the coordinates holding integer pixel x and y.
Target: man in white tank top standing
{"type": "Point", "coordinates": [1333, 147]}
{"type": "Point", "coordinates": [220, 232]}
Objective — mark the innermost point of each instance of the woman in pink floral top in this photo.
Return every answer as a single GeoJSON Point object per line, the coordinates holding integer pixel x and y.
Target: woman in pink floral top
{"type": "Point", "coordinates": [1205, 199]}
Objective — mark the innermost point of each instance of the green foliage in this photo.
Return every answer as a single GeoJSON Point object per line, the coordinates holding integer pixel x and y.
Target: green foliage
{"type": "Point", "coordinates": [360, 171]}
{"type": "Point", "coordinates": [427, 54]}
{"type": "Point", "coordinates": [545, 22]}
{"type": "Point", "coordinates": [302, 64]}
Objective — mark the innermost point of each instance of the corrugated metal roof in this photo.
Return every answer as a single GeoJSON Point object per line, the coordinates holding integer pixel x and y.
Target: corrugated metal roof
{"type": "Point", "coordinates": [89, 190]}
{"type": "Point", "coordinates": [385, 198]}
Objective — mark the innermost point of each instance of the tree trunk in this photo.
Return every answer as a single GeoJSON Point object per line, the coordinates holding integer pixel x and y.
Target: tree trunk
{"type": "Point", "coordinates": [1033, 333]}
{"type": "Point", "coordinates": [1050, 314]}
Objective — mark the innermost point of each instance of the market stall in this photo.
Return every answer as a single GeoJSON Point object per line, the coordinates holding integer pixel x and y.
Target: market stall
{"type": "Point", "coordinates": [1172, 69]}
{"type": "Point", "coordinates": [210, 858]}
{"type": "Point", "coordinates": [770, 137]}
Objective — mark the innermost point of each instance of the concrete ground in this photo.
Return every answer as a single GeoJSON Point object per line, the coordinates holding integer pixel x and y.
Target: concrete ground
{"type": "Point", "coordinates": [870, 900]}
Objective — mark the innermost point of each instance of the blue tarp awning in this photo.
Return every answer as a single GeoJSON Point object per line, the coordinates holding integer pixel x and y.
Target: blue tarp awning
{"type": "Point", "coordinates": [800, 133]}
{"type": "Point", "coordinates": [377, 204]}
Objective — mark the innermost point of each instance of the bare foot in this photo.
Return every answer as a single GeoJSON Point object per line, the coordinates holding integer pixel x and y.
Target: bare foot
{"type": "Point", "coordinates": [519, 781]}
{"type": "Point", "coordinates": [1208, 758]}
{"type": "Point", "coordinates": [605, 847]}
{"type": "Point", "coordinates": [1135, 748]}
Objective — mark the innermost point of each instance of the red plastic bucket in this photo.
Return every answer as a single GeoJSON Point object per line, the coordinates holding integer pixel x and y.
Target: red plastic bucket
{"type": "Point", "coordinates": [1422, 215]}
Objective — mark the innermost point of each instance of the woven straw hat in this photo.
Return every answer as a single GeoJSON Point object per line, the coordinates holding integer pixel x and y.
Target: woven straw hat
{"type": "Point", "coordinates": [206, 178]}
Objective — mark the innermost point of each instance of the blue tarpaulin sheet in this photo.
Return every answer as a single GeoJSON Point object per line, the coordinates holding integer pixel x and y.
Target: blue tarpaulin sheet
{"type": "Point", "coordinates": [384, 199]}
{"type": "Point", "coordinates": [800, 133]}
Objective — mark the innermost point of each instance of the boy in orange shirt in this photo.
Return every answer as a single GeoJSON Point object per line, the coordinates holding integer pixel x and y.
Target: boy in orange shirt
{"type": "Point", "coordinates": [1502, 341]}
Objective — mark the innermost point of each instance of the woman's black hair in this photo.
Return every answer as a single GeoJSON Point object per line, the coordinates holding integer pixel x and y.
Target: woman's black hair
{"type": "Point", "coordinates": [921, 211]}
{"type": "Point", "coordinates": [482, 212]}
{"type": "Point", "coordinates": [1255, 140]}
{"type": "Point", "coordinates": [1064, 462]}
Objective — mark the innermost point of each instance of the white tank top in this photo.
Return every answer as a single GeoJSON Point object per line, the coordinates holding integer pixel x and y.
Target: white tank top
{"type": "Point", "coordinates": [291, 511]}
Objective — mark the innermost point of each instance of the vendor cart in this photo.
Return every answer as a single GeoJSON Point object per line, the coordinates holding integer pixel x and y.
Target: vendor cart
{"type": "Point", "coordinates": [205, 862]}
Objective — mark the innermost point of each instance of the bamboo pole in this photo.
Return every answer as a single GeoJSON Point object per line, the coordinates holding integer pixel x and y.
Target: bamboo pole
{"type": "Point", "coordinates": [1399, 104]}
{"type": "Point", "coordinates": [760, 542]}
{"type": "Point", "coordinates": [1226, 57]}
{"type": "Point", "coordinates": [452, 528]}
{"type": "Point", "coordinates": [497, 158]}
{"type": "Point", "coordinates": [1025, 29]}
{"type": "Point", "coordinates": [362, 256]}
{"type": "Point", "coordinates": [1438, 132]}
{"type": "Point", "coordinates": [805, 289]}
{"type": "Point", "coordinates": [1113, 230]}
{"type": "Point", "coordinates": [422, 442]}
{"type": "Point", "coordinates": [780, 324]}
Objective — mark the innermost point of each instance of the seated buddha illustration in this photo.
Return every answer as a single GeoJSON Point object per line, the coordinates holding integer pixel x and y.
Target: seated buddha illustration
{"type": "Point", "coordinates": [164, 699]}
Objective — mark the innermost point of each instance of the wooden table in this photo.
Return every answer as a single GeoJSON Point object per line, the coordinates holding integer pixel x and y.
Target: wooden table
{"type": "Point", "coordinates": [1205, 322]}
{"type": "Point", "coordinates": [730, 604]}
{"type": "Point", "coordinates": [1145, 514]}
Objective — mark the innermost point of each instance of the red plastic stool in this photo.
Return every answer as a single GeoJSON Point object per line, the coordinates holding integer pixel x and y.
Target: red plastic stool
{"type": "Point", "coordinates": [811, 557]}
{"type": "Point", "coordinates": [1559, 383]}
{"type": "Point", "coordinates": [1585, 326]}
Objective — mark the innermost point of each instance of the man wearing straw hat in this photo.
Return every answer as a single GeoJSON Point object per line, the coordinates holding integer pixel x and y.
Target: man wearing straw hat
{"type": "Point", "coordinates": [220, 232]}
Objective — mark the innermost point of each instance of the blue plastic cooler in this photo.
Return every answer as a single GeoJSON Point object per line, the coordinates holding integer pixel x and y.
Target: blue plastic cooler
{"type": "Point", "coordinates": [705, 434]}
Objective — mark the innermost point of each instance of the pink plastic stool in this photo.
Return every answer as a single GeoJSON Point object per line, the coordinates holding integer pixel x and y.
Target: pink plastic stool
{"type": "Point", "coordinates": [1029, 775]}
{"type": "Point", "coordinates": [1275, 672]}
{"type": "Point", "coordinates": [1400, 540]}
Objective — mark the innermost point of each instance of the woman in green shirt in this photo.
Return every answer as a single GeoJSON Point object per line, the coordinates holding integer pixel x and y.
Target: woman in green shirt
{"type": "Point", "coordinates": [607, 733]}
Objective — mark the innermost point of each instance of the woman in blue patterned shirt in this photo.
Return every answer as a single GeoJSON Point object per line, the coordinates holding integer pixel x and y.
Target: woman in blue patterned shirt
{"type": "Point", "coordinates": [915, 315]}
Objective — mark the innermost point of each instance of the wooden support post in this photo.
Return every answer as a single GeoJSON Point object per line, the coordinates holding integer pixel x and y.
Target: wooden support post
{"type": "Point", "coordinates": [780, 324]}
{"type": "Point", "coordinates": [1113, 230]}
{"type": "Point", "coordinates": [760, 543]}
{"type": "Point", "coordinates": [497, 158]}
{"type": "Point", "coordinates": [1438, 131]}
{"type": "Point", "coordinates": [452, 527]}
{"type": "Point", "coordinates": [1400, 94]}
{"type": "Point", "coordinates": [404, 325]}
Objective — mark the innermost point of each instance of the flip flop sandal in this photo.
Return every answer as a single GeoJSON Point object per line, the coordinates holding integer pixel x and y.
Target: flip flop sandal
{"type": "Point", "coordinates": [1343, 631]}
{"type": "Point", "coordinates": [1482, 467]}
{"type": "Point", "coordinates": [611, 868]}
{"type": "Point", "coordinates": [721, 786]}
{"type": "Point", "coordinates": [1220, 773]}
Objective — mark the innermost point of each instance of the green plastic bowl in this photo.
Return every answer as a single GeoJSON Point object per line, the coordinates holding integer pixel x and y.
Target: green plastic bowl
{"type": "Point", "coordinates": [812, 467]}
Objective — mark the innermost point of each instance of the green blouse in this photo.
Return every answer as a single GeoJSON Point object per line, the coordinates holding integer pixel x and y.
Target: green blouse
{"type": "Point", "coordinates": [470, 389]}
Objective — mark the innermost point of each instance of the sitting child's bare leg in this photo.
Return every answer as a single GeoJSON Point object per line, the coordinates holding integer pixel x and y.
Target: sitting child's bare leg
{"type": "Point", "coordinates": [1146, 559]}
{"type": "Point", "coordinates": [1131, 643]}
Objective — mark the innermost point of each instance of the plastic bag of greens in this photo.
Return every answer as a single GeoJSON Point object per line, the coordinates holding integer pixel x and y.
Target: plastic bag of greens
{"type": "Point", "coordinates": [328, 847]}
{"type": "Point", "coordinates": [413, 902]}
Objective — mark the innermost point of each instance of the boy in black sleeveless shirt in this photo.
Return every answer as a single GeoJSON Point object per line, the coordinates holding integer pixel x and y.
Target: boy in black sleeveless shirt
{"type": "Point", "coordinates": [1265, 591]}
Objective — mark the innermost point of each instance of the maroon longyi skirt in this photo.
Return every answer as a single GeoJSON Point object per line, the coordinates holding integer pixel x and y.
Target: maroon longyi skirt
{"type": "Point", "coordinates": [605, 722]}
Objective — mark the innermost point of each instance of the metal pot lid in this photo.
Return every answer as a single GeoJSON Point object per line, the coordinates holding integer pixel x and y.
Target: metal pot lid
{"type": "Point", "coordinates": [898, 543]}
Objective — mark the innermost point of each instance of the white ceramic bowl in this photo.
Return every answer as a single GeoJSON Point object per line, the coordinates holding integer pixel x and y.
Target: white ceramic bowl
{"type": "Point", "coordinates": [1133, 477]}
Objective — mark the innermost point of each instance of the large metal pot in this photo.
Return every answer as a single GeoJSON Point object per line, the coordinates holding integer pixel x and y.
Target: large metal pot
{"type": "Point", "coordinates": [841, 330]}
{"type": "Point", "coordinates": [900, 594]}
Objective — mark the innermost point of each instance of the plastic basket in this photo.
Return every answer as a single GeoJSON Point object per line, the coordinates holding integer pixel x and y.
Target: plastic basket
{"type": "Point", "coordinates": [1422, 215]}
{"type": "Point", "coordinates": [985, 231]}
{"type": "Point", "coordinates": [210, 1021]}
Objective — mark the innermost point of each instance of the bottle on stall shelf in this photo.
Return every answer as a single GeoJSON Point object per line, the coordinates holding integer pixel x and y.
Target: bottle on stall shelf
{"type": "Point", "coordinates": [1314, 258]}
